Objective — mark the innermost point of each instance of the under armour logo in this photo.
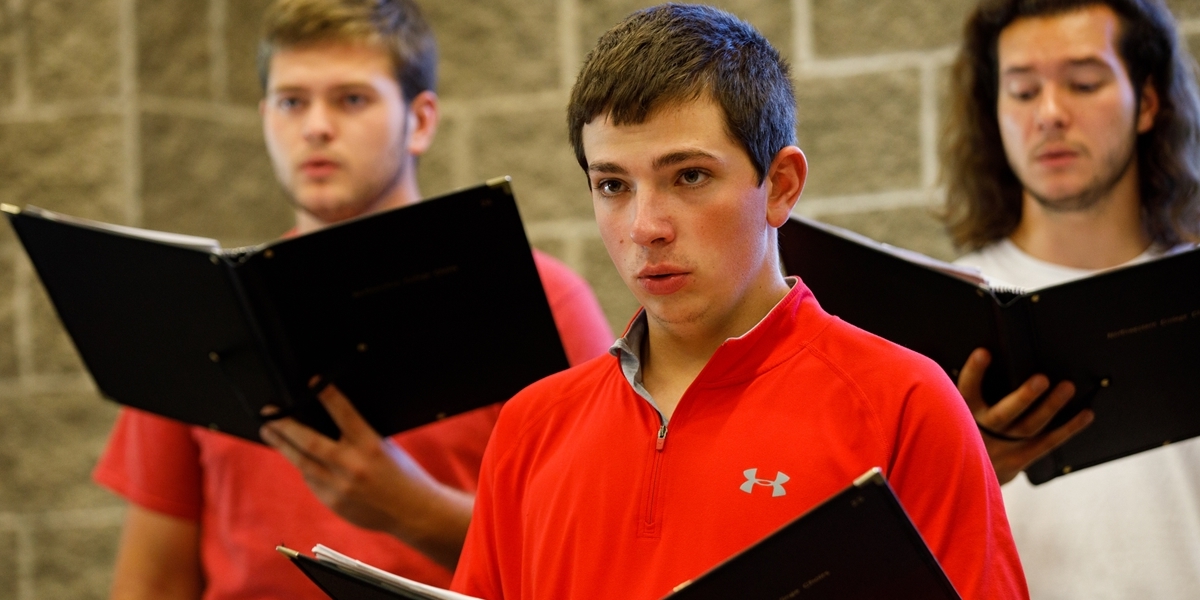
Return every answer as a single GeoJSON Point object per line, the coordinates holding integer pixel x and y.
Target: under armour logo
{"type": "Point", "coordinates": [753, 480]}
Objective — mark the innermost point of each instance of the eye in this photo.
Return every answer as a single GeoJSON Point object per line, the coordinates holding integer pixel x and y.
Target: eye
{"type": "Point", "coordinates": [1085, 87]}
{"type": "Point", "coordinates": [288, 103]}
{"type": "Point", "coordinates": [1023, 92]}
{"type": "Point", "coordinates": [693, 177]}
{"type": "Point", "coordinates": [610, 187]}
{"type": "Point", "coordinates": [355, 100]}
{"type": "Point", "coordinates": [1021, 87]}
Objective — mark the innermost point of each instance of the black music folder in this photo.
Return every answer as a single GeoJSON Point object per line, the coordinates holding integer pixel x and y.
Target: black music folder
{"type": "Point", "coordinates": [415, 313]}
{"type": "Point", "coordinates": [857, 544]}
{"type": "Point", "coordinates": [1128, 338]}
{"type": "Point", "coordinates": [344, 578]}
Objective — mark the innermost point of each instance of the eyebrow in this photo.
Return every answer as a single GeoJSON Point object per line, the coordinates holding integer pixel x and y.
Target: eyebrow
{"type": "Point", "coordinates": [666, 160]}
{"type": "Point", "coordinates": [675, 158]}
{"type": "Point", "coordinates": [607, 167]}
{"type": "Point", "coordinates": [1074, 63]}
{"type": "Point", "coordinates": [344, 87]}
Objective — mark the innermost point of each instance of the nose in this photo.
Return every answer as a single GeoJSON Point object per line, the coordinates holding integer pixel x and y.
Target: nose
{"type": "Point", "coordinates": [1051, 112]}
{"type": "Point", "coordinates": [318, 123]}
{"type": "Point", "coordinates": [652, 224]}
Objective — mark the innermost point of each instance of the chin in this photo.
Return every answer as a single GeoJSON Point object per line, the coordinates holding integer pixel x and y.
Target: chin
{"type": "Point", "coordinates": [330, 208]}
{"type": "Point", "coordinates": [675, 313]}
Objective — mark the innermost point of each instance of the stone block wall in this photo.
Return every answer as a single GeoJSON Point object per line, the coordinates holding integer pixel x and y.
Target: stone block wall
{"type": "Point", "coordinates": [143, 112]}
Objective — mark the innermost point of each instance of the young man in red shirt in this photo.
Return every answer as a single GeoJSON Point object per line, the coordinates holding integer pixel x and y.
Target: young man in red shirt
{"type": "Point", "coordinates": [349, 107]}
{"type": "Point", "coordinates": [732, 403]}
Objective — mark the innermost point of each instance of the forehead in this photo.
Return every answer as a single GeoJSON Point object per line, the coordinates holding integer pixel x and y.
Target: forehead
{"type": "Point", "coordinates": [698, 124]}
{"type": "Point", "coordinates": [329, 63]}
{"type": "Point", "coordinates": [1049, 41]}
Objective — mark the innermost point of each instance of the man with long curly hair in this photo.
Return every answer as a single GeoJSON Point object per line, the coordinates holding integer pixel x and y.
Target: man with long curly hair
{"type": "Point", "coordinates": [1073, 146]}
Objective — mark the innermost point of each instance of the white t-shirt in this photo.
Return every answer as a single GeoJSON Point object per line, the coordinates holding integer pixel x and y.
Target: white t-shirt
{"type": "Point", "coordinates": [1127, 529]}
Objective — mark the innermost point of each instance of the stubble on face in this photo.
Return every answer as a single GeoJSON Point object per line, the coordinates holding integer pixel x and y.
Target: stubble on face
{"type": "Point", "coordinates": [1112, 169]}
{"type": "Point", "coordinates": [337, 105]}
{"type": "Point", "coordinates": [361, 192]}
{"type": "Point", "coordinates": [1069, 115]}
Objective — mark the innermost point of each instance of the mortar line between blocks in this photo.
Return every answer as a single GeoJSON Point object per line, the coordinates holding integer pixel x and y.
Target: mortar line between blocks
{"type": "Point", "coordinates": [131, 112]}
{"type": "Point", "coordinates": [928, 125]}
{"type": "Point", "coordinates": [568, 40]}
{"type": "Point", "coordinates": [26, 562]}
{"type": "Point", "coordinates": [218, 68]}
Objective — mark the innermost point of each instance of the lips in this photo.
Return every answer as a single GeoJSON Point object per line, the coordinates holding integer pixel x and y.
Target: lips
{"type": "Point", "coordinates": [319, 167]}
{"type": "Point", "coordinates": [660, 280]}
{"type": "Point", "coordinates": [1055, 157]}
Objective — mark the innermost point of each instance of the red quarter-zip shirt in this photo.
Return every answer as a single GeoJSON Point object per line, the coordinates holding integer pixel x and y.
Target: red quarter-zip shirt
{"type": "Point", "coordinates": [584, 494]}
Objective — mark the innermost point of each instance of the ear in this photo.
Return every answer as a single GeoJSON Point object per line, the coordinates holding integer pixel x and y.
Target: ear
{"type": "Point", "coordinates": [423, 118]}
{"type": "Point", "coordinates": [785, 181]}
{"type": "Point", "coordinates": [1147, 107]}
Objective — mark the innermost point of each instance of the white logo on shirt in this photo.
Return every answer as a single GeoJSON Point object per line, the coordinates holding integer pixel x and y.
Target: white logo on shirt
{"type": "Point", "coordinates": [753, 480]}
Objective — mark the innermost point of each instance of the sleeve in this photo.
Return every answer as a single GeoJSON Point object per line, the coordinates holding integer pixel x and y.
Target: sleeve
{"type": "Point", "coordinates": [153, 462]}
{"type": "Point", "coordinates": [581, 323]}
{"type": "Point", "coordinates": [944, 480]}
{"type": "Point", "coordinates": [484, 569]}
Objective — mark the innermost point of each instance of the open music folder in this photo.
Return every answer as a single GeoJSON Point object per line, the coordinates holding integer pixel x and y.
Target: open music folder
{"type": "Point", "coordinates": [344, 578]}
{"type": "Point", "coordinates": [415, 313]}
{"type": "Point", "coordinates": [1128, 338]}
{"type": "Point", "coordinates": [857, 544]}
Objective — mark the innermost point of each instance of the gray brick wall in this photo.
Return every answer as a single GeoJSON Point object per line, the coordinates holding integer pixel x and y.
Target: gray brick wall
{"type": "Point", "coordinates": [144, 113]}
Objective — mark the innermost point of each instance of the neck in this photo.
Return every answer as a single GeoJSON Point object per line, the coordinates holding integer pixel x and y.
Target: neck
{"type": "Point", "coordinates": [675, 354]}
{"type": "Point", "coordinates": [403, 193]}
{"type": "Point", "coordinates": [1104, 235]}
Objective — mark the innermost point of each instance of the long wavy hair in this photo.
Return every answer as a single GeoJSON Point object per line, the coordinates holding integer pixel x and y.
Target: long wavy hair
{"type": "Point", "coordinates": [983, 194]}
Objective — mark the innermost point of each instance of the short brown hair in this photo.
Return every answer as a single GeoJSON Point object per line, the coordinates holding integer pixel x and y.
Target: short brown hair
{"type": "Point", "coordinates": [678, 53]}
{"type": "Point", "coordinates": [983, 194]}
{"type": "Point", "coordinates": [396, 25]}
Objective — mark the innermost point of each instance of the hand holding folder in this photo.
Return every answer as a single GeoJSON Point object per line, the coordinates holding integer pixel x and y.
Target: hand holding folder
{"type": "Point", "coordinates": [1016, 429]}
{"type": "Point", "coordinates": [372, 482]}
{"type": "Point", "coordinates": [1128, 339]}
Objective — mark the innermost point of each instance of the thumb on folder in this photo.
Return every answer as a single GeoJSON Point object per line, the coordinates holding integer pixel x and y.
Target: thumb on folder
{"type": "Point", "coordinates": [373, 482]}
{"type": "Point", "coordinates": [1013, 429]}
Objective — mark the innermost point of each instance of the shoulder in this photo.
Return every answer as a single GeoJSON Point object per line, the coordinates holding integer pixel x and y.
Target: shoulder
{"type": "Point", "coordinates": [900, 387]}
{"type": "Point", "coordinates": [153, 462]}
{"type": "Point", "coordinates": [581, 322]}
{"type": "Point", "coordinates": [973, 258]}
{"type": "Point", "coordinates": [556, 276]}
{"type": "Point", "coordinates": [870, 359]}
{"type": "Point", "coordinates": [135, 426]}
{"type": "Point", "coordinates": [555, 398]}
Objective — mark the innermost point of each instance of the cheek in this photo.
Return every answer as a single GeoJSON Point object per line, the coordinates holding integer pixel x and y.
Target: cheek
{"type": "Point", "coordinates": [1124, 116]}
{"type": "Point", "coordinates": [277, 147]}
{"type": "Point", "coordinates": [374, 132]}
{"type": "Point", "coordinates": [735, 232]}
{"type": "Point", "coordinates": [1012, 132]}
{"type": "Point", "coordinates": [612, 231]}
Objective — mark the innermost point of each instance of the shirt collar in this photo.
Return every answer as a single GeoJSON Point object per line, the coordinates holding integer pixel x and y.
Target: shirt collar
{"type": "Point", "coordinates": [630, 347]}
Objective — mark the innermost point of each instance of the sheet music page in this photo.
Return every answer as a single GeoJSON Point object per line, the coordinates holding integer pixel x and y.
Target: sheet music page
{"type": "Point", "coordinates": [329, 555]}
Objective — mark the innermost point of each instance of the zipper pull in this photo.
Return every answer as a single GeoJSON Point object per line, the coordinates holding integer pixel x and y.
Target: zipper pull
{"type": "Point", "coordinates": [662, 438]}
